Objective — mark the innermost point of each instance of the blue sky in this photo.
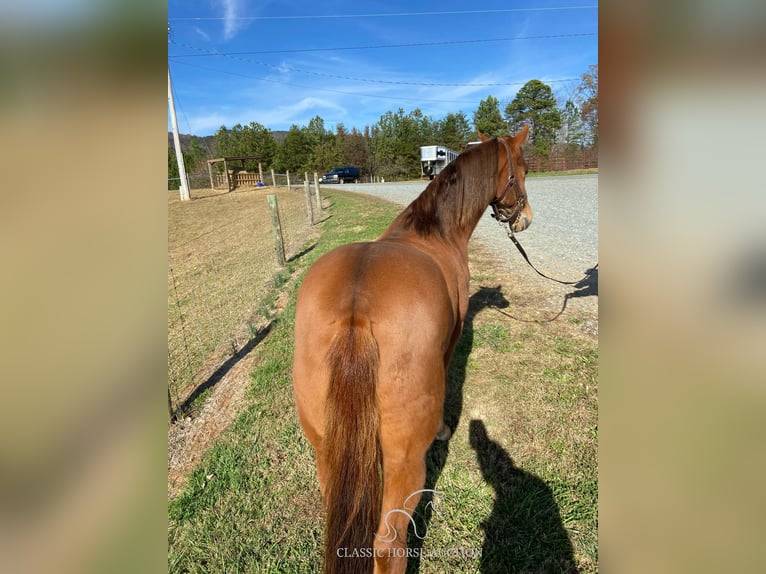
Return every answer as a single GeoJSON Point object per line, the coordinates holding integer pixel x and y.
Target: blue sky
{"type": "Point", "coordinates": [344, 61]}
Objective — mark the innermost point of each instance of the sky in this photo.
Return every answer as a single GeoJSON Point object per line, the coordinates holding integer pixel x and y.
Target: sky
{"type": "Point", "coordinates": [283, 63]}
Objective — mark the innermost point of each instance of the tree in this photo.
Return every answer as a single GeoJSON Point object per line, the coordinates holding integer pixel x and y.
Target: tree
{"type": "Point", "coordinates": [295, 153]}
{"type": "Point", "coordinates": [190, 163]}
{"type": "Point", "coordinates": [173, 182]}
{"type": "Point", "coordinates": [487, 118]}
{"type": "Point", "coordinates": [572, 128]}
{"type": "Point", "coordinates": [196, 154]}
{"type": "Point", "coordinates": [253, 139]}
{"type": "Point", "coordinates": [588, 94]}
{"type": "Point", "coordinates": [316, 131]}
{"type": "Point", "coordinates": [223, 142]}
{"type": "Point", "coordinates": [256, 140]}
{"type": "Point", "coordinates": [397, 140]}
{"type": "Point", "coordinates": [351, 147]}
{"type": "Point", "coordinates": [535, 104]}
{"type": "Point", "coordinates": [454, 131]}
{"type": "Point", "coordinates": [326, 156]}
{"type": "Point", "coordinates": [317, 136]}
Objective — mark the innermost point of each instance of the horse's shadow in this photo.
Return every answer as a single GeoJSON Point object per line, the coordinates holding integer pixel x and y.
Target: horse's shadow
{"type": "Point", "coordinates": [524, 532]}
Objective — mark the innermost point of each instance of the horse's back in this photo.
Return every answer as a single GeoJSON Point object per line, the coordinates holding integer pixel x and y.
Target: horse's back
{"type": "Point", "coordinates": [376, 282]}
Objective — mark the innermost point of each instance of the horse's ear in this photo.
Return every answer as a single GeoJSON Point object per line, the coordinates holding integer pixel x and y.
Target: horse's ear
{"type": "Point", "coordinates": [521, 137]}
{"type": "Point", "coordinates": [482, 137]}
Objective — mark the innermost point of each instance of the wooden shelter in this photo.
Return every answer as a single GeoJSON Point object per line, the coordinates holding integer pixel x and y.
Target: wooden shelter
{"type": "Point", "coordinates": [236, 175]}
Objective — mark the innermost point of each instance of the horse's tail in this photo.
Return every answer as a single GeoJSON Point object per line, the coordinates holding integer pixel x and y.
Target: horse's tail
{"type": "Point", "coordinates": [352, 453]}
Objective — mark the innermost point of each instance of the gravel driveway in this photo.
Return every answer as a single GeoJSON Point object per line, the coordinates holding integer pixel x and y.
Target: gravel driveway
{"type": "Point", "coordinates": [562, 240]}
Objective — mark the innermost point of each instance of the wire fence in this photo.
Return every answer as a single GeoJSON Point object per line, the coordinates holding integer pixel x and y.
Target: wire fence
{"type": "Point", "coordinates": [243, 180]}
{"type": "Point", "coordinates": [222, 273]}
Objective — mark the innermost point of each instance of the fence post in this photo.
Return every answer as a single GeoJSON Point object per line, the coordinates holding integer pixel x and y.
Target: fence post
{"type": "Point", "coordinates": [316, 192]}
{"type": "Point", "coordinates": [276, 227]}
{"type": "Point", "coordinates": [288, 179]}
{"type": "Point", "coordinates": [273, 179]}
{"type": "Point", "coordinates": [309, 208]}
{"type": "Point", "coordinates": [260, 172]}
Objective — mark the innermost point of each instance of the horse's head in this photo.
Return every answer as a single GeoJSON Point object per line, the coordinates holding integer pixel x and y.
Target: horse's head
{"type": "Point", "coordinates": [510, 204]}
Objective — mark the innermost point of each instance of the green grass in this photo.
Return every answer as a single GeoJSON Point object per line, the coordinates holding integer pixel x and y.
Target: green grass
{"type": "Point", "coordinates": [518, 477]}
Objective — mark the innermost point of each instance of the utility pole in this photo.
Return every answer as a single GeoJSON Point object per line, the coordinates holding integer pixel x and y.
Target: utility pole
{"type": "Point", "coordinates": [177, 141]}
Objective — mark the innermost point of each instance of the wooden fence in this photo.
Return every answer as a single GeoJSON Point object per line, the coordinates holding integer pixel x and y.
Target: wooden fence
{"type": "Point", "coordinates": [562, 160]}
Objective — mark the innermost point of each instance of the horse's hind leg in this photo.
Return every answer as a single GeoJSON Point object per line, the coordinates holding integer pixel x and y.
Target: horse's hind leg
{"type": "Point", "coordinates": [402, 483]}
{"type": "Point", "coordinates": [409, 423]}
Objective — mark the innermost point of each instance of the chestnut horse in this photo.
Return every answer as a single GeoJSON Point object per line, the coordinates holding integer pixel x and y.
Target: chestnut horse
{"type": "Point", "coordinates": [376, 324]}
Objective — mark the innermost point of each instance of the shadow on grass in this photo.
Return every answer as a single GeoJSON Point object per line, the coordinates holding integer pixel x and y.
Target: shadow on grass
{"type": "Point", "coordinates": [436, 457]}
{"type": "Point", "coordinates": [325, 217]}
{"type": "Point", "coordinates": [304, 251]}
{"type": "Point", "coordinates": [524, 533]}
{"type": "Point", "coordinates": [585, 287]}
{"type": "Point", "coordinates": [221, 371]}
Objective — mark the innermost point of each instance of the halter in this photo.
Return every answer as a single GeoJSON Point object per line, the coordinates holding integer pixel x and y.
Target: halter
{"type": "Point", "coordinates": [520, 200]}
{"type": "Point", "coordinates": [520, 203]}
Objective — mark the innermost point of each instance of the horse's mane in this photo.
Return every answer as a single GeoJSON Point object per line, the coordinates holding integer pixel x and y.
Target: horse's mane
{"type": "Point", "coordinates": [456, 194]}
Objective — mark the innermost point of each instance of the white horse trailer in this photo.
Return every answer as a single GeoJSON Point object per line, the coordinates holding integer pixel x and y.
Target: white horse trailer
{"type": "Point", "coordinates": [433, 159]}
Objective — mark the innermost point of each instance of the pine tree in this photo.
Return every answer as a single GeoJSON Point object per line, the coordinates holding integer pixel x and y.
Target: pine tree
{"type": "Point", "coordinates": [535, 104]}
{"type": "Point", "coordinates": [454, 131]}
{"type": "Point", "coordinates": [487, 118]}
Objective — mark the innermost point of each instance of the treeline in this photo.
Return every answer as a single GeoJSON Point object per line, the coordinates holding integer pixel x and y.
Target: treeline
{"type": "Point", "coordinates": [391, 147]}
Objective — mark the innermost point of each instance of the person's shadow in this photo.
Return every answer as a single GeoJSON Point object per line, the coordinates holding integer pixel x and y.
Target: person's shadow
{"type": "Point", "coordinates": [524, 533]}
{"type": "Point", "coordinates": [436, 457]}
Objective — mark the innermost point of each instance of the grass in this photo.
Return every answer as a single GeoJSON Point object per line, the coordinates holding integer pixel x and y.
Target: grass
{"type": "Point", "coordinates": [221, 259]}
{"type": "Point", "coordinates": [518, 478]}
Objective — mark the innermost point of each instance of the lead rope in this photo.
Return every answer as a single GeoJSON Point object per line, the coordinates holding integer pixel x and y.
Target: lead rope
{"type": "Point", "coordinates": [512, 237]}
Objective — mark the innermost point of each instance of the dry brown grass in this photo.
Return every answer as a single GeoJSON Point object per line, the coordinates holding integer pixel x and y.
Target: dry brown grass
{"type": "Point", "coordinates": [221, 269]}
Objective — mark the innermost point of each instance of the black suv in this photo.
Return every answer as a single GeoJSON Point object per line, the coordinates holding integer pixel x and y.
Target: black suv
{"type": "Point", "coordinates": [346, 174]}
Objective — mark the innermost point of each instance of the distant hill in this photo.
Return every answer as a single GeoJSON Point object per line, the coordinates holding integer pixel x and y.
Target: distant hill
{"type": "Point", "coordinates": [208, 142]}
{"type": "Point", "coordinates": [205, 142]}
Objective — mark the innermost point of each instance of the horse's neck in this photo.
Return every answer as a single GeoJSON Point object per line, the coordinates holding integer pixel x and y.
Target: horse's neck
{"type": "Point", "coordinates": [459, 230]}
{"type": "Point", "coordinates": [452, 246]}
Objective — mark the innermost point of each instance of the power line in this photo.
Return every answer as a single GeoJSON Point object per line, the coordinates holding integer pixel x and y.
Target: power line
{"type": "Point", "coordinates": [386, 14]}
{"type": "Point", "coordinates": [283, 68]}
{"type": "Point", "coordinates": [388, 82]}
{"type": "Point", "coordinates": [378, 47]}
{"type": "Point", "coordinates": [355, 94]}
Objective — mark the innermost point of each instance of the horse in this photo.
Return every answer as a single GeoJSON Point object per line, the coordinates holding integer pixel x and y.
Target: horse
{"type": "Point", "coordinates": [375, 327]}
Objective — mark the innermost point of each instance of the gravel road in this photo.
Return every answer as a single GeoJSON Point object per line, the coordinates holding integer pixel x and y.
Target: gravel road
{"type": "Point", "coordinates": [562, 240]}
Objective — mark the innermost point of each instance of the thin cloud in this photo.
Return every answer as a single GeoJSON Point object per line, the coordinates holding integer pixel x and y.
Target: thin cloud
{"type": "Point", "coordinates": [232, 23]}
{"type": "Point", "coordinates": [204, 35]}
